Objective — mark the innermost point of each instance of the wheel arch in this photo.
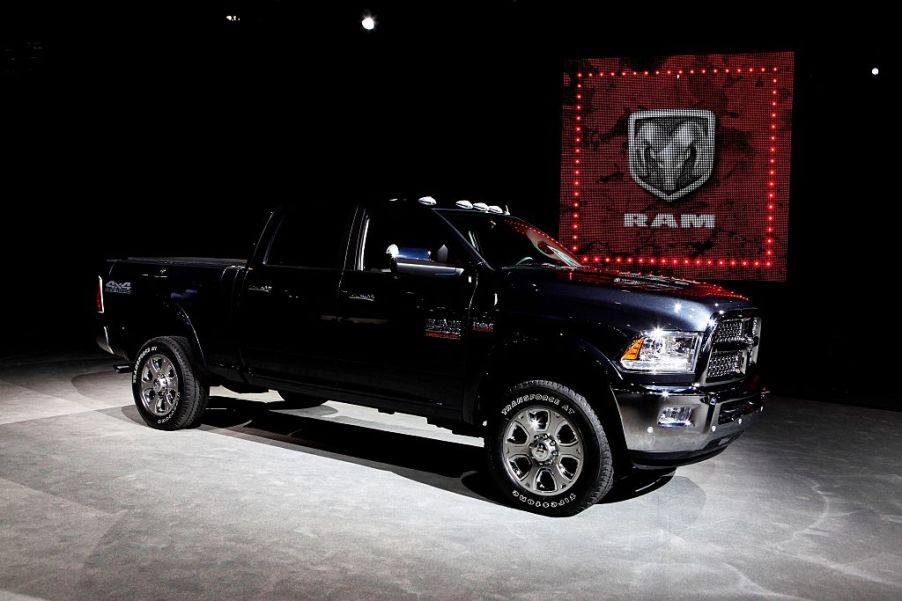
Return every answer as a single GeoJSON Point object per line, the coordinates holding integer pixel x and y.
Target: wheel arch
{"type": "Point", "coordinates": [575, 363]}
{"type": "Point", "coordinates": [171, 320]}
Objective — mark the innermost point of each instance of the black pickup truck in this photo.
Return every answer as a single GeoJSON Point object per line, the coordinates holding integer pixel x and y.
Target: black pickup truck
{"type": "Point", "coordinates": [463, 314]}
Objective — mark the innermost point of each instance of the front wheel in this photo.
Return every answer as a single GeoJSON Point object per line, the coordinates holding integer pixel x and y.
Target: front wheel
{"type": "Point", "coordinates": [548, 451]}
{"type": "Point", "coordinates": [168, 392]}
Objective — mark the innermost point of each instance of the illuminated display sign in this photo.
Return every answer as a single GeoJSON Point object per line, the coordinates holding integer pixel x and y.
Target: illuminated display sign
{"type": "Point", "coordinates": [680, 164]}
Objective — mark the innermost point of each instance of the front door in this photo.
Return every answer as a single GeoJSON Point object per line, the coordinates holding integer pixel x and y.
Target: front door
{"type": "Point", "coordinates": [402, 336]}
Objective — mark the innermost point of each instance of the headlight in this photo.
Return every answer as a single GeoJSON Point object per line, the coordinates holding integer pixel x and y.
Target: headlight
{"type": "Point", "coordinates": [663, 352]}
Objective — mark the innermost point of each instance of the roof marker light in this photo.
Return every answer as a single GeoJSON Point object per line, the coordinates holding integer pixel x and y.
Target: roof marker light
{"type": "Point", "coordinates": [426, 200]}
{"type": "Point", "coordinates": [480, 206]}
{"type": "Point", "coordinates": [496, 209]}
{"type": "Point", "coordinates": [464, 204]}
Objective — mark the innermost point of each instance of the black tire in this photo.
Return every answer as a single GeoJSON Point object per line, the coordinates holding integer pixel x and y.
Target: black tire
{"type": "Point", "coordinates": [180, 401]}
{"type": "Point", "coordinates": [543, 466]}
{"type": "Point", "coordinates": [300, 401]}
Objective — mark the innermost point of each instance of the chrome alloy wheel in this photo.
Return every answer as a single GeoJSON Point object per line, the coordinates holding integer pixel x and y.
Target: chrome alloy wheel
{"type": "Point", "coordinates": [542, 450]}
{"type": "Point", "coordinates": [159, 385]}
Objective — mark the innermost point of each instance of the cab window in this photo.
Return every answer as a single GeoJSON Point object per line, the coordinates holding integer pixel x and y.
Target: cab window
{"type": "Point", "coordinates": [311, 240]}
{"type": "Point", "coordinates": [394, 232]}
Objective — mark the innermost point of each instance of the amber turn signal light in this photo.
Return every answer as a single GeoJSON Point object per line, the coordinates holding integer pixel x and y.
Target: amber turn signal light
{"type": "Point", "coordinates": [632, 353]}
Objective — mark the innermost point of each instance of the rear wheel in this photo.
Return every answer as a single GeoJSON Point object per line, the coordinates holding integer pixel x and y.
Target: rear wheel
{"type": "Point", "coordinates": [300, 401]}
{"type": "Point", "coordinates": [547, 449]}
{"type": "Point", "coordinates": [168, 392]}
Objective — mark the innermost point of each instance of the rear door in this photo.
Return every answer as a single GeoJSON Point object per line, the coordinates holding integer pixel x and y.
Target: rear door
{"type": "Point", "coordinates": [403, 336]}
{"type": "Point", "coordinates": [289, 304]}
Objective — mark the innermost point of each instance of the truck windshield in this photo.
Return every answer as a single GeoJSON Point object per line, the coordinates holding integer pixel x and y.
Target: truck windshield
{"type": "Point", "coordinates": [506, 241]}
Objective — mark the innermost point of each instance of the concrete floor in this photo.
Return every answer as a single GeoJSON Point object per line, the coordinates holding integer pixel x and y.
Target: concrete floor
{"type": "Point", "coordinates": [341, 502]}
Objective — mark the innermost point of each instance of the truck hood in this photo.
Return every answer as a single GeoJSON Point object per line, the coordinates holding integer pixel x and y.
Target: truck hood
{"type": "Point", "coordinates": [639, 301]}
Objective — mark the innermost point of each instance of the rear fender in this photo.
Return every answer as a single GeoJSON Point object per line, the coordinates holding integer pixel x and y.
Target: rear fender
{"type": "Point", "coordinates": [170, 320]}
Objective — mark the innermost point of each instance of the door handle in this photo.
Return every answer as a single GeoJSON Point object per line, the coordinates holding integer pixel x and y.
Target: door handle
{"type": "Point", "coordinates": [265, 288]}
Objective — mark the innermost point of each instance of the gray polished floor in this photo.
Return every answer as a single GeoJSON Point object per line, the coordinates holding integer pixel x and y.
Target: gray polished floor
{"type": "Point", "coordinates": [341, 502]}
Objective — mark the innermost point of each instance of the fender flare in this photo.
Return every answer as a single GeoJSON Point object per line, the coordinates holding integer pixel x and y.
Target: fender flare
{"type": "Point", "coordinates": [191, 334]}
{"type": "Point", "coordinates": [170, 320]}
{"type": "Point", "coordinates": [575, 362]}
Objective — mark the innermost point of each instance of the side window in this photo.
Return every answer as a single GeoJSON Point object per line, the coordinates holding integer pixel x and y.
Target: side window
{"type": "Point", "coordinates": [397, 232]}
{"type": "Point", "coordinates": [310, 240]}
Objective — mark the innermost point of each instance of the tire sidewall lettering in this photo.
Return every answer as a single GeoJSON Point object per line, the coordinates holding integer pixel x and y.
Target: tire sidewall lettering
{"type": "Point", "coordinates": [544, 504]}
{"type": "Point", "coordinates": [140, 361]}
{"type": "Point", "coordinates": [537, 397]}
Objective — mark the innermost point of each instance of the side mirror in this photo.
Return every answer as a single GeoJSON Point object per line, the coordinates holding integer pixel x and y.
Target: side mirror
{"type": "Point", "coordinates": [408, 252]}
{"type": "Point", "coordinates": [402, 266]}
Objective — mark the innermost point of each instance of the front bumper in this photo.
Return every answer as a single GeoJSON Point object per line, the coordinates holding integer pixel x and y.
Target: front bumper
{"type": "Point", "coordinates": [717, 419]}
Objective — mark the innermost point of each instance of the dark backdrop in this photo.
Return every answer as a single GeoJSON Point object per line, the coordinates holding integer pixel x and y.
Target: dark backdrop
{"type": "Point", "coordinates": [142, 130]}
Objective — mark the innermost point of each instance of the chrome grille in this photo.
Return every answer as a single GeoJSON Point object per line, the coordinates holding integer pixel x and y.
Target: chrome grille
{"type": "Point", "coordinates": [726, 363]}
{"type": "Point", "coordinates": [733, 330]}
{"type": "Point", "coordinates": [734, 347]}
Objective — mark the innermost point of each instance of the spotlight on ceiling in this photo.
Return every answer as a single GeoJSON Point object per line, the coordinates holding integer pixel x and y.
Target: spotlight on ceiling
{"type": "Point", "coordinates": [368, 22]}
{"type": "Point", "coordinates": [875, 71]}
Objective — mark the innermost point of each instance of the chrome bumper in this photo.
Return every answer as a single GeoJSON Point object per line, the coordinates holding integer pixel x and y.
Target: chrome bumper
{"type": "Point", "coordinates": [717, 418]}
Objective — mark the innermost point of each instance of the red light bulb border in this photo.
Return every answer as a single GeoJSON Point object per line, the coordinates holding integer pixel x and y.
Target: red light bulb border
{"type": "Point", "coordinates": [770, 189]}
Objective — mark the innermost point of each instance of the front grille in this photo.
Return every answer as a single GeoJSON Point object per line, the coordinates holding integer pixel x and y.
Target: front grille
{"type": "Point", "coordinates": [726, 363]}
{"type": "Point", "coordinates": [734, 345]}
{"type": "Point", "coordinates": [733, 410]}
{"type": "Point", "coordinates": [734, 330]}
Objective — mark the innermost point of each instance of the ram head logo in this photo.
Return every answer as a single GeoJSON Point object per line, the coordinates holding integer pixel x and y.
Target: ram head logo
{"type": "Point", "coordinates": [671, 151]}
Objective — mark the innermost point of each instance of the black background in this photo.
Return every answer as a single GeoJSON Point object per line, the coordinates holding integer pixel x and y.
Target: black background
{"type": "Point", "coordinates": [147, 130]}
